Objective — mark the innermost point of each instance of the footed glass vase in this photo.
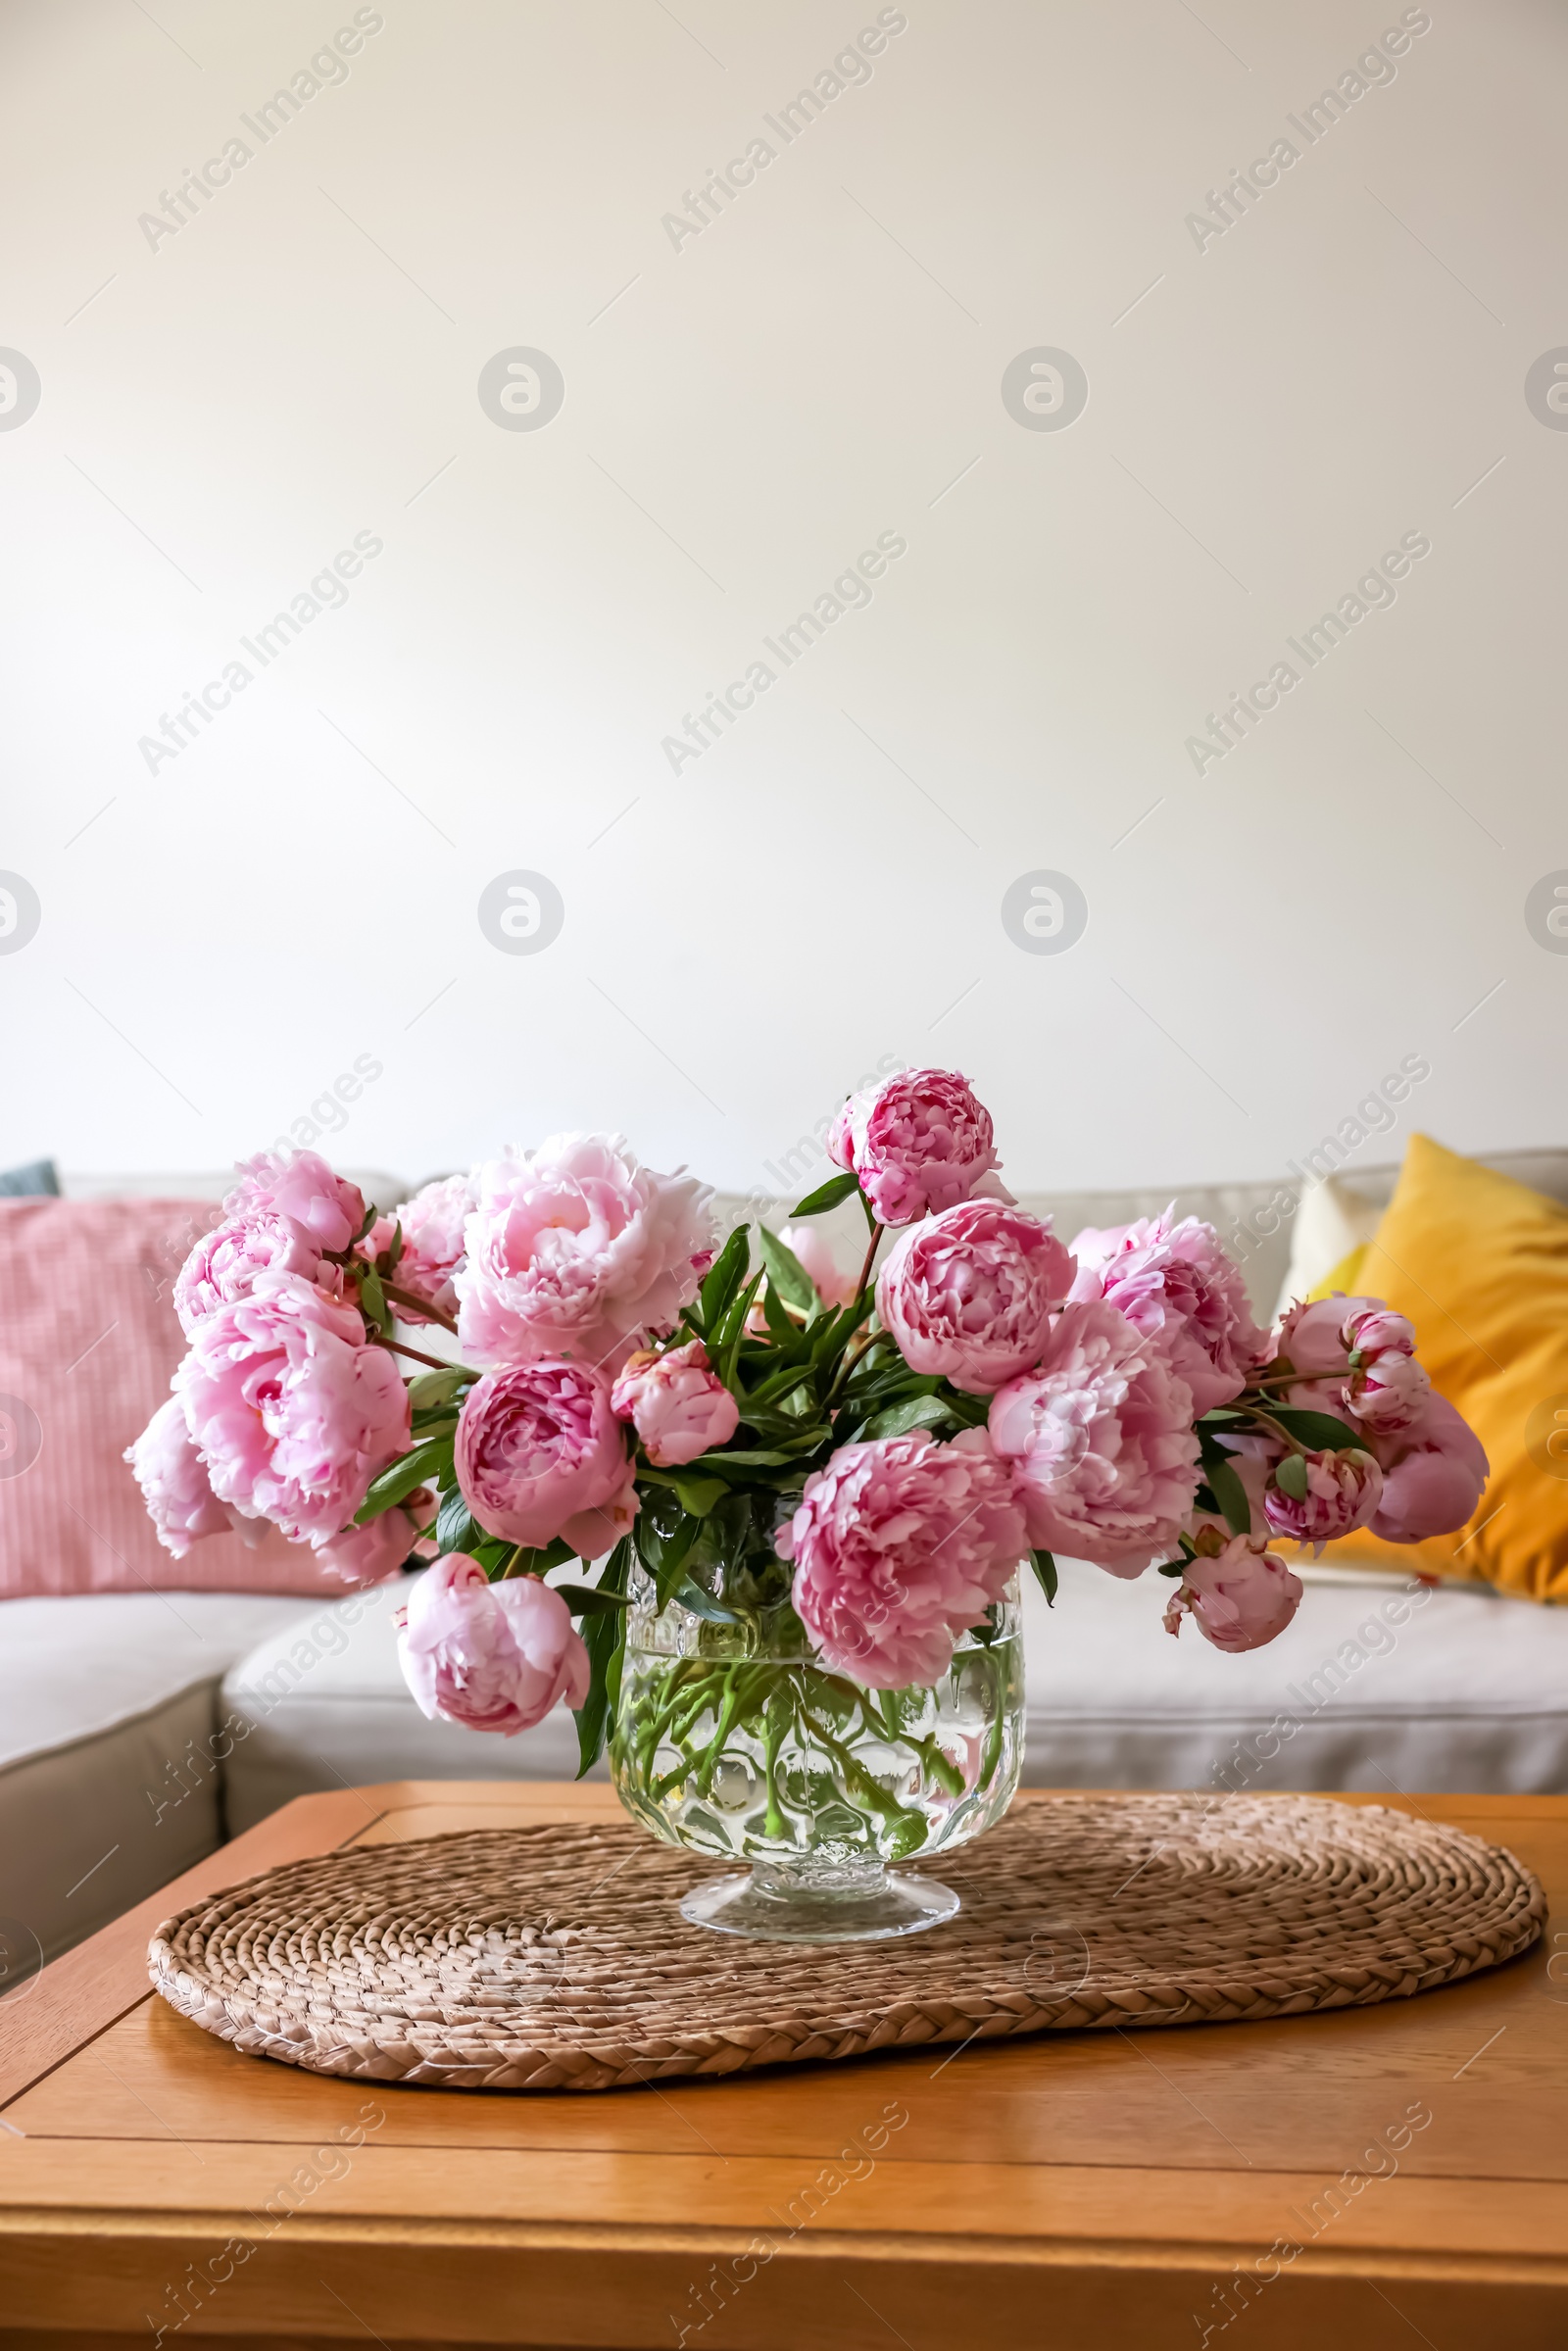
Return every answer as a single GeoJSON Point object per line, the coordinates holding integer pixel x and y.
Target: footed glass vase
{"type": "Point", "coordinates": [733, 1739]}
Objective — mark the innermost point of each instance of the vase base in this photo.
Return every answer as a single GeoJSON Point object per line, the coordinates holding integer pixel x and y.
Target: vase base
{"type": "Point", "coordinates": [773, 1904]}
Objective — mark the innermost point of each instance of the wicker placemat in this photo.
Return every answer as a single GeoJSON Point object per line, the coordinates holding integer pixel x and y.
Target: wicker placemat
{"type": "Point", "coordinates": [555, 1958]}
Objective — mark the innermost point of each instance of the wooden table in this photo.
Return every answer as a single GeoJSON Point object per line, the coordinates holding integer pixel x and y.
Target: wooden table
{"type": "Point", "coordinates": [1105, 2190]}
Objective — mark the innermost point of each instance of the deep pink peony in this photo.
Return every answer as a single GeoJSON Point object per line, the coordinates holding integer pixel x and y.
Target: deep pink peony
{"type": "Point", "coordinates": [921, 1141]}
{"type": "Point", "coordinates": [1319, 1497]}
{"type": "Point", "coordinates": [834, 1287]}
{"type": "Point", "coordinates": [577, 1251]}
{"type": "Point", "coordinates": [1175, 1284]}
{"type": "Point", "coordinates": [968, 1293]}
{"type": "Point", "coordinates": [676, 1404]}
{"type": "Point", "coordinates": [292, 1413]}
{"type": "Point", "coordinates": [224, 1263]}
{"type": "Point", "coordinates": [1355, 1357]}
{"type": "Point", "coordinates": [900, 1546]}
{"type": "Point", "coordinates": [490, 1656]}
{"type": "Point", "coordinates": [1101, 1440]}
{"type": "Point", "coordinates": [176, 1487]}
{"type": "Point", "coordinates": [300, 1185]}
{"type": "Point", "coordinates": [1238, 1597]}
{"type": "Point", "coordinates": [369, 1554]}
{"type": "Point", "coordinates": [540, 1453]}
{"type": "Point", "coordinates": [1433, 1475]}
{"type": "Point", "coordinates": [432, 1223]}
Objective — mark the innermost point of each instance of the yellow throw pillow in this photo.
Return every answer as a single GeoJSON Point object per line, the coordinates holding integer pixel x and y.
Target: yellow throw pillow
{"type": "Point", "coordinates": [1480, 1265]}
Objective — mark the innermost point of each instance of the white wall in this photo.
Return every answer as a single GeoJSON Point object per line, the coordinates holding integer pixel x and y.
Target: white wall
{"type": "Point", "coordinates": [297, 888]}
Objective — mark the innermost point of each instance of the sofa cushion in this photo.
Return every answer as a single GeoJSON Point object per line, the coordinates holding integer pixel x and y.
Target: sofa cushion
{"type": "Point", "coordinates": [1381, 1682]}
{"type": "Point", "coordinates": [109, 1786]}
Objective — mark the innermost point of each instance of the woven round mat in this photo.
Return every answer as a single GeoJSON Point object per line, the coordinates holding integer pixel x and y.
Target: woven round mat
{"type": "Point", "coordinates": [555, 1958]}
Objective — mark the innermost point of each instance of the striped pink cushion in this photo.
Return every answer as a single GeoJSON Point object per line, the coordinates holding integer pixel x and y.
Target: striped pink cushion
{"type": "Point", "coordinates": [88, 1338]}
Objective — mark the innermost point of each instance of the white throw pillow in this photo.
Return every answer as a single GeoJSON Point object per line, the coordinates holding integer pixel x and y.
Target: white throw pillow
{"type": "Point", "coordinates": [1331, 1221]}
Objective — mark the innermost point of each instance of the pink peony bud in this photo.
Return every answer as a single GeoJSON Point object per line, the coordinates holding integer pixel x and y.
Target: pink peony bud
{"type": "Point", "coordinates": [1176, 1285]}
{"type": "Point", "coordinates": [1318, 1498]}
{"type": "Point", "coordinates": [1355, 1357]}
{"type": "Point", "coordinates": [490, 1656]}
{"type": "Point", "coordinates": [1433, 1474]}
{"type": "Point", "coordinates": [921, 1141]}
{"type": "Point", "coordinates": [293, 1414]}
{"type": "Point", "coordinates": [540, 1454]}
{"type": "Point", "coordinates": [900, 1544]}
{"type": "Point", "coordinates": [176, 1490]}
{"type": "Point", "coordinates": [676, 1406]}
{"type": "Point", "coordinates": [968, 1295]}
{"type": "Point", "coordinates": [369, 1554]}
{"type": "Point", "coordinates": [300, 1185]}
{"type": "Point", "coordinates": [1100, 1437]}
{"type": "Point", "coordinates": [1238, 1597]}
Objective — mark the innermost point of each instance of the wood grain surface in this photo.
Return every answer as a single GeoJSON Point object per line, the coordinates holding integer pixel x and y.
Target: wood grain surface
{"type": "Point", "coordinates": [1392, 2175]}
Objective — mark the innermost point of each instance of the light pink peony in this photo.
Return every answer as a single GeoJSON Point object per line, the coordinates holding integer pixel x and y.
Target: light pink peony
{"type": "Point", "coordinates": [432, 1222]}
{"type": "Point", "coordinates": [1433, 1475]}
{"type": "Point", "coordinates": [900, 1546]}
{"type": "Point", "coordinates": [224, 1263]}
{"type": "Point", "coordinates": [968, 1293]}
{"type": "Point", "coordinates": [1318, 1498]}
{"type": "Point", "coordinates": [577, 1251]}
{"type": "Point", "coordinates": [1355, 1357]}
{"type": "Point", "coordinates": [1101, 1440]}
{"type": "Point", "coordinates": [300, 1185]}
{"type": "Point", "coordinates": [176, 1487]}
{"type": "Point", "coordinates": [918, 1142]}
{"type": "Point", "coordinates": [369, 1554]}
{"type": "Point", "coordinates": [540, 1454]}
{"type": "Point", "coordinates": [834, 1287]}
{"type": "Point", "coordinates": [490, 1656]}
{"type": "Point", "coordinates": [675, 1403]}
{"type": "Point", "coordinates": [1238, 1597]}
{"type": "Point", "coordinates": [1175, 1284]}
{"type": "Point", "coordinates": [292, 1413]}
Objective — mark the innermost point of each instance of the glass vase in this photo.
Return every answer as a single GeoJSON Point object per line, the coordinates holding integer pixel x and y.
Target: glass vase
{"type": "Point", "coordinates": [734, 1739]}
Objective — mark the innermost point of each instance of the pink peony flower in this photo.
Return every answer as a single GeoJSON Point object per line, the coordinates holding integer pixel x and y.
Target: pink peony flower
{"type": "Point", "coordinates": [292, 1413]}
{"type": "Point", "coordinates": [490, 1656]}
{"type": "Point", "coordinates": [1433, 1475]}
{"type": "Point", "coordinates": [369, 1554]}
{"type": "Point", "coordinates": [176, 1487]}
{"type": "Point", "coordinates": [224, 1263]}
{"type": "Point", "coordinates": [900, 1546]}
{"type": "Point", "coordinates": [1101, 1440]}
{"type": "Point", "coordinates": [1175, 1284]}
{"type": "Point", "coordinates": [1238, 1597]}
{"type": "Point", "coordinates": [676, 1404]}
{"type": "Point", "coordinates": [968, 1293]}
{"type": "Point", "coordinates": [834, 1287]}
{"type": "Point", "coordinates": [921, 1141]}
{"type": "Point", "coordinates": [1318, 1498]}
{"type": "Point", "coordinates": [540, 1454]}
{"type": "Point", "coordinates": [432, 1222]}
{"type": "Point", "coordinates": [1357, 1357]}
{"type": "Point", "coordinates": [577, 1251]}
{"type": "Point", "coordinates": [300, 1185]}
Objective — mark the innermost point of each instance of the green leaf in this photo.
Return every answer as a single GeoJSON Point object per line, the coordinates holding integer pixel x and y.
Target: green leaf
{"type": "Point", "coordinates": [1045, 1567]}
{"type": "Point", "coordinates": [428, 1463]}
{"type": "Point", "coordinates": [698, 1495]}
{"type": "Point", "coordinates": [786, 1274]}
{"type": "Point", "coordinates": [827, 1196]}
{"type": "Point", "coordinates": [1231, 1495]}
{"type": "Point", "coordinates": [1320, 1432]}
{"type": "Point", "coordinates": [548, 1555]}
{"type": "Point", "coordinates": [702, 1604]}
{"type": "Point", "coordinates": [1172, 1567]}
{"type": "Point", "coordinates": [589, 1600]}
{"type": "Point", "coordinates": [604, 1636]}
{"type": "Point", "coordinates": [454, 1529]}
{"type": "Point", "coordinates": [896, 1420]}
{"type": "Point", "coordinates": [1290, 1476]}
{"type": "Point", "coordinates": [724, 1277]}
{"type": "Point", "coordinates": [373, 1298]}
{"type": "Point", "coordinates": [433, 1388]}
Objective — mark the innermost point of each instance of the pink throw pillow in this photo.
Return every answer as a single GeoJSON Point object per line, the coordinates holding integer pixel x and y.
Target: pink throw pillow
{"type": "Point", "coordinates": [89, 1341]}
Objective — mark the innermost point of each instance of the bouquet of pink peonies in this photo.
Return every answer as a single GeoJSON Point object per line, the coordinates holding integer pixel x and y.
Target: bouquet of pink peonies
{"type": "Point", "coordinates": [747, 1445]}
